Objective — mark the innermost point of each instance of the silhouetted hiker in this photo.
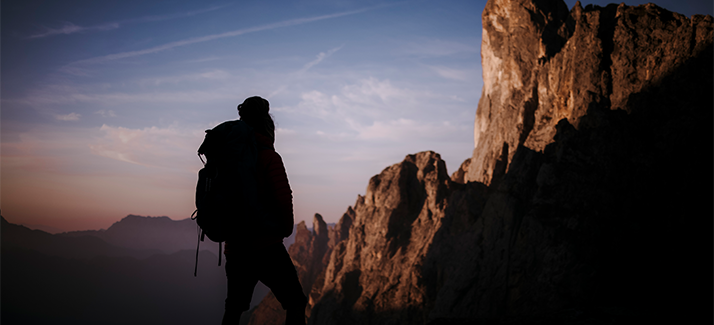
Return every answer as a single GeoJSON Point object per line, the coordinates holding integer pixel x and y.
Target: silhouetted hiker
{"type": "Point", "coordinates": [261, 255]}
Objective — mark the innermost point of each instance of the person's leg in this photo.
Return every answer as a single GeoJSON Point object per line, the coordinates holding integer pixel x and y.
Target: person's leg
{"type": "Point", "coordinates": [281, 277]}
{"type": "Point", "coordinates": [241, 282]}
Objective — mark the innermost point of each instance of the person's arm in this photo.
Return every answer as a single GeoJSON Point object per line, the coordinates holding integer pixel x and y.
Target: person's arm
{"type": "Point", "coordinates": [278, 179]}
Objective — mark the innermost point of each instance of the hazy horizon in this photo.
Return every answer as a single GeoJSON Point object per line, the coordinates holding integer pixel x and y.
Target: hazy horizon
{"type": "Point", "coordinates": [105, 103]}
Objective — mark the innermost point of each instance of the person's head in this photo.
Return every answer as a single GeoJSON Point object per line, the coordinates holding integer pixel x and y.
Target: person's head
{"type": "Point", "coordinates": [255, 112]}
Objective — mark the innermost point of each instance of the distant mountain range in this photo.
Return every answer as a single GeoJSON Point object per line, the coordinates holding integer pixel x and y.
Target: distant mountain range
{"type": "Point", "coordinates": [154, 233]}
{"type": "Point", "coordinates": [47, 229]}
{"type": "Point", "coordinates": [149, 233]}
{"type": "Point", "coordinates": [138, 271]}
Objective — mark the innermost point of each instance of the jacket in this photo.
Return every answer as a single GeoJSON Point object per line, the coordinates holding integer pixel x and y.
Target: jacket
{"type": "Point", "coordinates": [274, 187]}
{"type": "Point", "coordinates": [275, 195]}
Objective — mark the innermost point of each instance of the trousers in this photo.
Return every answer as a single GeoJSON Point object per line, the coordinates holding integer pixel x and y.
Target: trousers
{"type": "Point", "coordinates": [270, 264]}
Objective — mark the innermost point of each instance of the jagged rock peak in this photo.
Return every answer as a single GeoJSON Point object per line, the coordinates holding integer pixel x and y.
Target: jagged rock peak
{"type": "Point", "coordinates": [341, 230]}
{"type": "Point", "coordinates": [319, 227]}
{"type": "Point", "coordinates": [459, 176]}
{"type": "Point", "coordinates": [542, 63]}
{"type": "Point", "coordinates": [378, 267]}
{"type": "Point", "coordinates": [397, 184]}
{"type": "Point", "coordinates": [309, 249]}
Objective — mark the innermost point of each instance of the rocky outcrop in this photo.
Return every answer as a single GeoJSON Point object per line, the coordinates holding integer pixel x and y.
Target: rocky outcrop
{"type": "Point", "coordinates": [587, 185]}
{"type": "Point", "coordinates": [542, 63]}
{"type": "Point", "coordinates": [336, 235]}
{"type": "Point", "coordinates": [309, 250]}
{"type": "Point", "coordinates": [459, 176]}
{"type": "Point", "coordinates": [376, 272]}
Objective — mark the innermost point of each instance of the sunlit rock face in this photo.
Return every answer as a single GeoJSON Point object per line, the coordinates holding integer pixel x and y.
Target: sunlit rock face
{"type": "Point", "coordinates": [587, 183]}
{"type": "Point", "coordinates": [542, 63]}
{"type": "Point", "coordinates": [377, 271]}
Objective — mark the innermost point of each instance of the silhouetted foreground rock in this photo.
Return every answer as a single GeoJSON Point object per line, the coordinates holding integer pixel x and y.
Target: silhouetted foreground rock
{"type": "Point", "coordinates": [588, 193]}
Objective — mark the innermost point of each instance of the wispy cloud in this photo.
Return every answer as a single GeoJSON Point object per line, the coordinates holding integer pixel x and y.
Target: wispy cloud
{"type": "Point", "coordinates": [168, 147]}
{"type": "Point", "coordinates": [205, 75]}
{"type": "Point", "coordinates": [106, 113]}
{"type": "Point", "coordinates": [377, 110]}
{"type": "Point", "coordinates": [70, 28]}
{"type": "Point", "coordinates": [449, 73]}
{"type": "Point", "coordinates": [367, 99]}
{"type": "Point", "coordinates": [406, 129]}
{"type": "Point", "coordinates": [68, 117]}
{"type": "Point", "coordinates": [320, 57]}
{"type": "Point", "coordinates": [206, 59]}
{"type": "Point", "coordinates": [430, 48]}
{"type": "Point", "coordinates": [175, 15]}
{"type": "Point", "coordinates": [171, 45]}
{"type": "Point", "coordinates": [54, 96]}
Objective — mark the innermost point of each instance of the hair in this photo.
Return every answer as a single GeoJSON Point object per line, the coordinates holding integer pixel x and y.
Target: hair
{"type": "Point", "coordinates": [255, 112]}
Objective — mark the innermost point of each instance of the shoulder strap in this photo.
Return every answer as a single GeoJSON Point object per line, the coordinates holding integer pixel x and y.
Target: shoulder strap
{"type": "Point", "coordinates": [198, 243]}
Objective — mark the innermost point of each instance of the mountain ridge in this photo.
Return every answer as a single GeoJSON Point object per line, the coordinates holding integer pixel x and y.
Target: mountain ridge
{"type": "Point", "coordinates": [588, 149]}
{"type": "Point", "coordinates": [139, 232]}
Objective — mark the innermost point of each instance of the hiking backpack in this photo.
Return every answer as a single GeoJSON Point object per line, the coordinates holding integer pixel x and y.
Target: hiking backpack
{"type": "Point", "coordinates": [226, 192]}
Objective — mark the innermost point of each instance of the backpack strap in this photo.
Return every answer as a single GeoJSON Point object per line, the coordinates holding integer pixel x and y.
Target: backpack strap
{"type": "Point", "coordinates": [198, 243]}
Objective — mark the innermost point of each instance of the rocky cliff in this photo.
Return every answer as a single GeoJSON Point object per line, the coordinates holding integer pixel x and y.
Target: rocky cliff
{"type": "Point", "coordinates": [543, 63]}
{"type": "Point", "coordinates": [588, 192]}
{"type": "Point", "coordinates": [377, 271]}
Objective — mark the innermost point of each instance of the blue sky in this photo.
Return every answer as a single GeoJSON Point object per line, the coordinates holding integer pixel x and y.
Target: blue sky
{"type": "Point", "coordinates": [104, 103]}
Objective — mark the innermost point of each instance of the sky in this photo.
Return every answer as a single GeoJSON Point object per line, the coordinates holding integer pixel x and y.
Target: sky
{"type": "Point", "coordinates": [104, 103]}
